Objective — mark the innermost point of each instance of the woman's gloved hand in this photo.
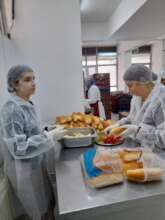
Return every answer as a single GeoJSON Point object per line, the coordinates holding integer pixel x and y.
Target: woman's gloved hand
{"type": "Point", "coordinates": [108, 129]}
{"type": "Point", "coordinates": [130, 131]}
{"type": "Point", "coordinates": [56, 134]}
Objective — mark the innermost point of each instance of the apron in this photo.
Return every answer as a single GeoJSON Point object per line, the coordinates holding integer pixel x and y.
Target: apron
{"type": "Point", "coordinates": [95, 109]}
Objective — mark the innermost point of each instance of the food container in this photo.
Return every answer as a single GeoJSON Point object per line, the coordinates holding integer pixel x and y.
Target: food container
{"type": "Point", "coordinates": [79, 137]}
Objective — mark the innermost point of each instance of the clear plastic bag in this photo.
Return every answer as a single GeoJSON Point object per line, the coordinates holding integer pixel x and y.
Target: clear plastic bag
{"type": "Point", "coordinates": [107, 161]}
{"type": "Point", "coordinates": [110, 166]}
{"type": "Point", "coordinates": [110, 172]}
{"type": "Point", "coordinates": [153, 167]}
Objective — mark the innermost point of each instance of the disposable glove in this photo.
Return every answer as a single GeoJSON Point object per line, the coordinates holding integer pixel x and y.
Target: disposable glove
{"type": "Point", "coordinates": [56, 134]}
{"type": "Point", "coordinates": [130, 132]}
{"type": "Point", "coordinates": [108, 129]}
{"type": "Point", "coordinates": [85, 103]}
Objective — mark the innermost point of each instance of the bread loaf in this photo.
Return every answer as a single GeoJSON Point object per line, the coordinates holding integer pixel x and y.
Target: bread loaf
{"type": "Point", "coordinates": [131, 156]}
{"type": "Point", "coordinates": [105, 180]}
{"type": "Point", "coordinates": [131, 166]}
{"type": "Point", "coordinates": [128, 156]}
{"type": "Point", "coordinates": [141, 175]}
{"type": "Point", "coordinates": [117, 131]}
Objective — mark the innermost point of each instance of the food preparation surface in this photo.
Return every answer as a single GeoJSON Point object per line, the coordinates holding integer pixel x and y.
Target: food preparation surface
{"type": "Point", "coordinates": [130, 200]}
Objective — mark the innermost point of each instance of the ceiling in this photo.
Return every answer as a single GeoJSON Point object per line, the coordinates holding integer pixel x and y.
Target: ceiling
{"type": "Point", "coordinates": [146, 24]}
{"type": "Point", "coordinates": [97, 10]}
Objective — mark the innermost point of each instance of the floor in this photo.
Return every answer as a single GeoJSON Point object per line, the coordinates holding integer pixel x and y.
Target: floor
{"type": "Point", "coordinates": [51, 212]}
{"type": "Point", "coordinates": [47, 217]}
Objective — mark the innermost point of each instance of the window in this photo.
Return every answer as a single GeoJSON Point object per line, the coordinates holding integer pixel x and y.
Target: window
{"type": "Point", "coordinates": [7, 15]}
{"type": "Point", "coordinates": [101, 60]}
{"type": "Point", "coordinates": [142, 55]}
{"type": "Point", "coordinates": [91, 60]}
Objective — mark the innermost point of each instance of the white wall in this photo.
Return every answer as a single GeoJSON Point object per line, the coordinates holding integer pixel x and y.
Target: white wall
{"type": "Point", "coordinates": [124, 59]}
{"type": "Point", "coordinates": [157, 56]}
{"type": "Point", "coordinates": [47, 35]}
{"type": "Point", "coordinates": [9, 56]}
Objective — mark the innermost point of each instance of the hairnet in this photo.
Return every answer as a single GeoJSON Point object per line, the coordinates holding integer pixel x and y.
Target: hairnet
{"type": "Point", "coordinates": [91, 82]}
{"type": "Point", "coordinates": [14, 74]}
{"type": "Point", "coordinates": [139, 73]}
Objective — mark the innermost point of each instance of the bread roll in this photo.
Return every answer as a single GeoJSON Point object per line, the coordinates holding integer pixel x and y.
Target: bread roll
{"type": "Point", "coordinates": [148, 174]}
{"type": "Point", "coordinates": [95, 120]}
{"type": "Point", "coordinates": [62, 120]}
{"type": "Point", "coordinates": [131, 166]}
{"type": "Point", "coordinates": [105, 180]}
{"type": "Point", "coordinates": [87, 119]}
{"type": "Point", "coordinates": [100, 127]}
{"type": "Point", "coordinates": [117, 131]}
{"type": "Point", "coordinates": [131, 156]}
{"type": "Point", "coordinates": [106, 123]}
{"type": "Point", "coordinates": [128, 155]}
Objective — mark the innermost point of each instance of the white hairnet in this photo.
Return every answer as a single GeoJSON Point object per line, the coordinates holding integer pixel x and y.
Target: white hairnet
{"type": "Point", "coordinates": [139, 73]}
{"type": "Point", "coordinates": [14, 74]}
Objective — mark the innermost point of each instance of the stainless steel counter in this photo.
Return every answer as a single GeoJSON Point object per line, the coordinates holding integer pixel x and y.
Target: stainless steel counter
{"type": "Point", "coordinates": [124, 201]}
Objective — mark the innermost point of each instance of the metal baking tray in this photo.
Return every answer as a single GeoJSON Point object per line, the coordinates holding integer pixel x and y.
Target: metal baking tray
{"type": "Point", "coordinates": [74, 141]}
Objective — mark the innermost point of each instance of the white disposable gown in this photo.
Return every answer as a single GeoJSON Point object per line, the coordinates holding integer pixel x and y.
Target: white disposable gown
{"type": "Point", "coordinates": [95, 96]}
{"type": "Point", "coordinates": [136, 104]}
{"type": "Point", "coordinates": [24, 147]}
{"type": "Point", "coordinates": [151, 118]}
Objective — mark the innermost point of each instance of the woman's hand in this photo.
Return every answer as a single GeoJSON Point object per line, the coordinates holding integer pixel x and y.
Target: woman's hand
{"type": "Point", "coordinates": [130, 131]}
{"type": "Point", "coordinates": [56, 134]}
{"type": "Point", "coordinates": [109, 128]}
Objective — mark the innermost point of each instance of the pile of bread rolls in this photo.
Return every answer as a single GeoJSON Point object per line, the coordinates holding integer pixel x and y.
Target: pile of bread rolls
{"type": "Point", "coordinates": [80, 120]}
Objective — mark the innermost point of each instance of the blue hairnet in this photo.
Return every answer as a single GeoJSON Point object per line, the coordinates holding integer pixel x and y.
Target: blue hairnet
{"type": "Point", "coordinates": [14, 74]}
{"type": "Point", "coordinates": [139, 73]}
{"type": "Point", "coordinates": [91, 82]}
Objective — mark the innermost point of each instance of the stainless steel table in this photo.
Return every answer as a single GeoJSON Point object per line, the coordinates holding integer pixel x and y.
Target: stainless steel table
{"type": "Point", "coordinates": [124, 201]}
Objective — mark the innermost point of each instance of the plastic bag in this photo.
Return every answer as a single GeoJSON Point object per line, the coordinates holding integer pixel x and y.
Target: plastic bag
{"type": "Point", "coordinates": [153, 168]}
{"type": "Point", "coordinates": [105, 166]}
{"type": "Point", "coordinates": [107, 161]}
{"type": "Point", "coordinates": [97, 178]}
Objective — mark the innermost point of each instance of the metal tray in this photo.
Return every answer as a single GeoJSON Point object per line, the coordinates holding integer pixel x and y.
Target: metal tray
{"type": "Point", "coordinates": [85, 141]}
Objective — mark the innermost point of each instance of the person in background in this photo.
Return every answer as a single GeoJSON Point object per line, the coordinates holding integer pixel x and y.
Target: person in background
{"type": "Point", "coordinates": [25, 146]}
{"type": "Point", "coordinates": [94, 99]}
{"type": "Point", "coordinates": [149, 122]}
